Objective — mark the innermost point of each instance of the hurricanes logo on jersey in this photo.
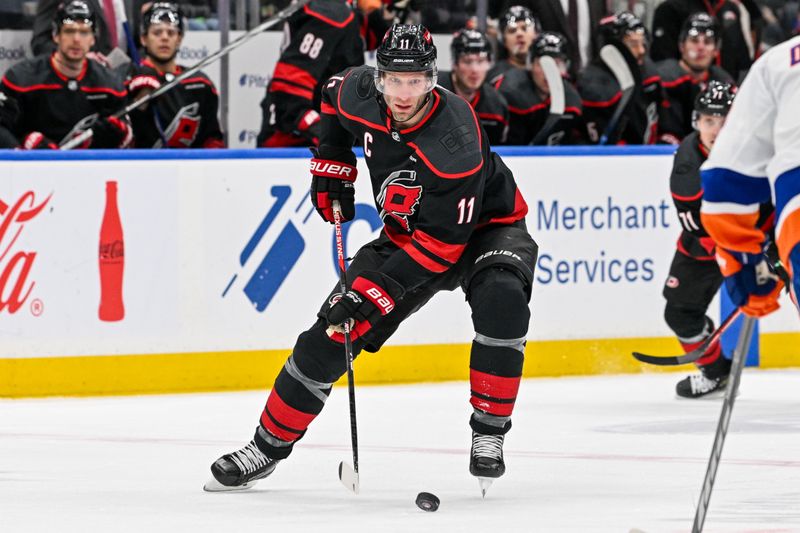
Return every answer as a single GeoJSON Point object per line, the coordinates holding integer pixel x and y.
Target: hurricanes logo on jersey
{"type": "Point", "coordinates": [399, 197]}
{"type": "Point", "coordinates": [182, 131]}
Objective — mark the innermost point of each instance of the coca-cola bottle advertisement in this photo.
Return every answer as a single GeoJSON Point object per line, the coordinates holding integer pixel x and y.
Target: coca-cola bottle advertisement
{"type": "Point", "coordinates": [111, 259]}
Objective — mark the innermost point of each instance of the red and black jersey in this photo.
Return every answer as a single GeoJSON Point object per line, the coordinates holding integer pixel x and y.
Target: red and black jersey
{"type": "Point", "coordinates": [600, 94]}
{"type": "Point", "coordinates": [433, 183]}
{"type": "Point", "coordinates": [183, 117]}
{"type": "Point", "coordinates": [323, 38]}
{"type": "Point", "coordinates": [687, 194]}
{"type": "Point", "coordinates": [681, 90]}
{"type": "Point", "coordinates": [498, 69]}
{"type": "Point", "coordinates": [60, 107]}
{"type": "Point", "coordinates": [529, 112]}
{"type": "Point", "coordinates": [490, 106]}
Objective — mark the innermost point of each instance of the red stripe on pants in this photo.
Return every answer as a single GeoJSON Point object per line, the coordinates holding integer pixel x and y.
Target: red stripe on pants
{"type": "Point", "coordinates": [296, 421]}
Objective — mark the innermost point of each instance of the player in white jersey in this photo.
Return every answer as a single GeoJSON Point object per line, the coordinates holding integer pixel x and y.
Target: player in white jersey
{"type": "Point", "coordinates": [756, 158]}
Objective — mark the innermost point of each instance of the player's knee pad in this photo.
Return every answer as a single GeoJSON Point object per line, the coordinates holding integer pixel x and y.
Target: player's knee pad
{"type": "Point", "coordinates": [318, 356]}
{"type": "Point", "coordinates": [498, 297]}
{"type": "Point", "coordinates": [686, 322]}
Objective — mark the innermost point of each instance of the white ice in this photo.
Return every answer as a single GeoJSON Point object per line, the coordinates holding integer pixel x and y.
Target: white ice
{"type": "Point", "coordinates": [594, 454]}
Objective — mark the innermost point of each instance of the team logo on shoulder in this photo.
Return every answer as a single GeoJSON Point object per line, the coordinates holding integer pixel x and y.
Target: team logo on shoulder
{"type": "Point", "coordinates": [399, 197]}
{"type": "Point", "coordinates": [672, 282]}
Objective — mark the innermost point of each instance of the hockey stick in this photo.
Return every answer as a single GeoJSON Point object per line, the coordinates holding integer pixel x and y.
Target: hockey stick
{"type": "Point", "coordinates": [280, 16]}
{"type": "Point", "coordinates": [347, 475]}
{"type": "Point", "coordinates": [615, 59]}
{"type": "Point", "coordinates": [557, 100]}
{"type": "Point", "coordinates": [739, 355]}
{"type": "Point", "coordinates": [694, 355]}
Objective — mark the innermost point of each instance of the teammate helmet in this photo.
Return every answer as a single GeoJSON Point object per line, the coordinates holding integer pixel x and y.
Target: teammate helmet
{"type": "Point", "coordinates": [163, 12]}
{"type": "Point", "coordinates": [699, 24]}
{"type": "Point", "coordinates": [716, 99]}
{"type": "Point", "coordinates": [549, 43]}
{"type": "Point", "coordinates": [515, 15]}
{"type": "Point", "coordinates": [469, 42]}
{"type": "Point", "coordinates": [406, 48]}
{"type": "Point", "coordinates": [74, 12]}
{"type": "Point", "coordinates": [617, 26]}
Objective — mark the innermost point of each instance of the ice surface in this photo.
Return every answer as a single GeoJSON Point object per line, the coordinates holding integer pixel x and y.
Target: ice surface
{"type": "Point", "coordinates": [594, 454]}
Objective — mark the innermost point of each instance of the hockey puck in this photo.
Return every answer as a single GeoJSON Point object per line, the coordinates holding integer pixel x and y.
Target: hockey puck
{"type": "Point", "coordinates": [427, 502]}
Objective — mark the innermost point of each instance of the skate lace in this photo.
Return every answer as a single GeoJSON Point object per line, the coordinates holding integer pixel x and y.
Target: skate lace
{"type": "Point", "coordinates": [701, 384]}
{"type": "Point", "coordinates": [488, 445]}
{"type": "Point", "coordinates": [249, 459]}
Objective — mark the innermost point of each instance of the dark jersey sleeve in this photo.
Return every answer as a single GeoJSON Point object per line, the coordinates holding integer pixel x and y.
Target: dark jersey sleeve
{"type": "Point", "coordinates": [686, 187]}
{"type": "Point", "coordinates": [210, 135]}
{"type": "Point", "coordinates": [9, 114]}
{"type": "Point", "coordinates": [317, 44]}
{"type": "Point", "coordinates": [335, 142]}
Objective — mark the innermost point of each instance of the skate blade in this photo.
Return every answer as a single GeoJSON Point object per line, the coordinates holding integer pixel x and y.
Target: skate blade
{"type": "Point", "coordinates": [484, 483]}
{"type": "Point", "coordinates": [349, 477]}
{"type": "Point", "coordinates": [212, 485]}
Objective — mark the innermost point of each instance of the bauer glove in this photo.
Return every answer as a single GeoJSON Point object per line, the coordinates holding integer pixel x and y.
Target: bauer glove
{"type": "Point", "coordinates": [371, 296]}
{"type": "Point", "coordinates": [333, 180]}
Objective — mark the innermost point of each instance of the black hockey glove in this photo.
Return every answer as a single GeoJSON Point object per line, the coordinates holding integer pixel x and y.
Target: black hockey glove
{"type": "Point", "coordinates": [36, 140]}
{"type": "Point", "coordinates": [111, 132]}
{"type": "Point", "coordinates": [371, 296]}
{"type": "Point", "coordinates": [333, 180]}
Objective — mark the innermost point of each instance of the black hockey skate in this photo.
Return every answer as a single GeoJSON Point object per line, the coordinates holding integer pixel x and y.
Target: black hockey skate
{"type": "Point", "coordinates": [710, 382]}
{"type": "Point", "coordinates": [486, 459]}
{"type": "Point", "coordinates": [240, 470]}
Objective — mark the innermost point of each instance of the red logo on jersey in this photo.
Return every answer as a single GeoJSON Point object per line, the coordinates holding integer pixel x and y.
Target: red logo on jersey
{"type": "Point", "coordinates": [14, 269]}
{"type": "Point", "coordinates": [399, 197]}
{"type": "Point", "coordinates": [182, 131]}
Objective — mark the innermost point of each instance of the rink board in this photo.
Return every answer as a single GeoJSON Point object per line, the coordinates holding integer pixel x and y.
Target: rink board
{"type": "Point", "coordinates": [226, 262]}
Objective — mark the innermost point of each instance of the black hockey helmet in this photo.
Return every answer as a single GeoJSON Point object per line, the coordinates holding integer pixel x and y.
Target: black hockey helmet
{"type": "Point", "coordinates": [700, 24]}
{"type": "Point", "coordinates": [163, 12]}
{"type": "Point", "coordinates": [469, 42]}
{"type": "Point", "coordinates": [550, 43]}
{"type": "Point", "coordinates": [74, 12]}
{"type": "Point", "coordinates": [515, 15]}
{"type": "Point", "coordinates": [406, 48]}
{"type": "Point", "coordinates": [716, 99]}
{"type": "Point", "coordinates": [615, 27]}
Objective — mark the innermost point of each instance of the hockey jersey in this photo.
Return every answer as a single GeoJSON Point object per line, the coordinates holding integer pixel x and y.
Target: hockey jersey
{"type": "Point", "coordinates": [321, 39]}
{"type": "Point", "coordinates": [600, 93]}
{"type": "Point", "coordinates": [756, 159]}
{"type": "Point", "coordinates": [681, 90]}
{"type": "Point", "coordinates": [687, 194]}
{"type": "Point", "coordinates": [528, 111]}
{"type": "Point", "coordinates": [489, 105]}
{"type": "Point", "coordinates": [183, 117]}
{"type": "Point", "coordinates": [60, 107]}
{"type": "Point", "coordinates": [434, 183]}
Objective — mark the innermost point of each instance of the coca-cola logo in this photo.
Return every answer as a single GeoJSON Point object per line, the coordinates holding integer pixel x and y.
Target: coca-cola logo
{"type": "Point", "coordinates": [16, 264]}
{"type": "Point", "coordinates": [112, 250]}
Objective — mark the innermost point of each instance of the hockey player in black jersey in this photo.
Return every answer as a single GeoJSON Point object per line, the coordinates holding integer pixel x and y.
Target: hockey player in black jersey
{"type": "Point", "coordinates": [518, 29]}
{"type": "Point", "coordinates": [453, 217]}
{"type": "Point", "coordinates": [528, 97]}
{"type": "Point", "coordinates": [683, 79]}
{"type": "Point", "coordinates": [185, 116]}
{"type": "Point", "coordinates": [471, 54]}
{"type": "Point", "coordinates": [323, 38]}
{"type": "Point", "coordinates": [600, 91]}
{"type": "Point", "coordinates": [61, 95]}
{"type": "Point", "coordinates": [694, 276]}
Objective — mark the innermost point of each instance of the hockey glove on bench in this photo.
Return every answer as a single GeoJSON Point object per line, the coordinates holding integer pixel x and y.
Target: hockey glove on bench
{"type": "Point", "coordinates": [333, 180]}
{"type": "Point", "coordinates": [371, 296]}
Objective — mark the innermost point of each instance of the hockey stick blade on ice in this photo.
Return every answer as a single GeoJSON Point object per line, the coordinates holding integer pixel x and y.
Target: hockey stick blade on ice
{"type": "Point", "coordinates": [739, 355]}
{"type": "Point", "coordinates": [694, 355]}
{"type": "Point", "coordinates": [557, 99]}
{"type": "Point", "coordinates": [280, 16]}
{"type": "Point", "coordinates": [615, 59]}
{"type": "Point", "coordinates": [347, 475]}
